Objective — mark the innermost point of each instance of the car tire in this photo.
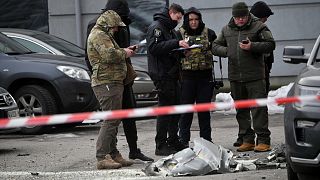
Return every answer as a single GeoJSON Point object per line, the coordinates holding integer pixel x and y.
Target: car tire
{"type": "Point", "coordinates": [290, 173]}
{"type": "Point", "coordinates": [35, 100]}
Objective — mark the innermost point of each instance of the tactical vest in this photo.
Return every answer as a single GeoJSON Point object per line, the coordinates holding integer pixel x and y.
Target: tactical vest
{"type": "Point", "coordinates": [200, 58]}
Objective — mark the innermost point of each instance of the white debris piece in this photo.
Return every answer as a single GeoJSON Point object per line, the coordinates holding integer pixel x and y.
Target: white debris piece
{"type": "Point", "coordinates": [205, 157]}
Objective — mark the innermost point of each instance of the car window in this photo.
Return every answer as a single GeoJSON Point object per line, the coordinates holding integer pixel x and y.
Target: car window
{"type": "Point", "coordinates": [4, 48]}
{"type": "Point", "coordinates": [9, 46]}
{"type": "Point", "coordinates": [62, 45]}
{"type": "Point", "coordinates": [32, 46]}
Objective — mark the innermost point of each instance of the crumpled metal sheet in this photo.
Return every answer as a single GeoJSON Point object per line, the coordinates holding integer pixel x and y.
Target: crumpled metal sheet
{"type": "Point", "coordinates": [204, 158]}
{"type": "Point", "coordinates": [246, 165]}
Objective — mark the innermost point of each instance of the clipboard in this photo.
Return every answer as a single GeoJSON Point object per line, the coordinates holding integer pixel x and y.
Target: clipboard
{"type": "Point", "coordinates": [189, 48]}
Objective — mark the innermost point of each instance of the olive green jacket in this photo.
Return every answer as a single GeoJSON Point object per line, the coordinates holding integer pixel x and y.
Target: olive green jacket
{"type": "Point", "coordinates": [107, 59]}
{"type": "Point", "coordinates": [244, 66]}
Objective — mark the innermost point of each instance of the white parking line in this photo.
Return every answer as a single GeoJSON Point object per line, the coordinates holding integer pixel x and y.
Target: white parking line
{"type": "Point", "coordinates": [101, 174]}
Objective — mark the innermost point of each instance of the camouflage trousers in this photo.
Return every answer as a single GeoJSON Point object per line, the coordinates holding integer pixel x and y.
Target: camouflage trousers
{"type": "Point", "coordinates": [110, 98]}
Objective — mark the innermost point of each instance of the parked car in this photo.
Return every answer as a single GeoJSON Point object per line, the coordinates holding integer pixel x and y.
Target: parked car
{"type": "Point", "coordinates": [8, 106]}
{"type": "Point", "coordinates": [40, 42]}
{"type": "Point", "coordinates": [44, 84]}
{"type": "Point", "coordinates": [302, 120]}
{"type": "Point", "coordinates": [8, 109]}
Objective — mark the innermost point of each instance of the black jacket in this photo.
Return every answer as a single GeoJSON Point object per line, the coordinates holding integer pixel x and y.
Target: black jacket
{"type": "Point", "coordinates": [161, 40]}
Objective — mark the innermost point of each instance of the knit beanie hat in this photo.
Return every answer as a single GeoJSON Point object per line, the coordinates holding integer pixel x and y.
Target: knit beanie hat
{"type": "Point", "coordinates": [260, 9]}
{"type": "Point", "coordinates": [240, 9]}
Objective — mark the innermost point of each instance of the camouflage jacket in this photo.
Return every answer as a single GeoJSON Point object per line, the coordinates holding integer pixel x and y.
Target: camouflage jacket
{"type": "Point", "coordinates": [200, 58]}
{"type": "Point", "coordinates": [107, 59]}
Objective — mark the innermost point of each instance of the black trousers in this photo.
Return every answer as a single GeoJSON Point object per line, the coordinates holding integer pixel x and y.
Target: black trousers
{"type": "Point", "coordinates": [129, 125]}
{"type": "Point", "coordinates": [195, 91]}
{"type": "Point", "coordinates": [167, 126]}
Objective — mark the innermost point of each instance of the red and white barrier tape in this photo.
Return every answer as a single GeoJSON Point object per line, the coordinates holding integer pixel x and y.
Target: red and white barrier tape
{"type": "Point", "coordinates": [149, 111]}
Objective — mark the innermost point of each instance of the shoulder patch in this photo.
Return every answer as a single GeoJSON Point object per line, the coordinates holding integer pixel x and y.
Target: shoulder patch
{"type": "Point", "coordinates": [157, 32]}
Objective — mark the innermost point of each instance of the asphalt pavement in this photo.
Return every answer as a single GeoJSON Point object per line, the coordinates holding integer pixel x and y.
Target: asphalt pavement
{"type": "Point", "coordinates": [70, 153]}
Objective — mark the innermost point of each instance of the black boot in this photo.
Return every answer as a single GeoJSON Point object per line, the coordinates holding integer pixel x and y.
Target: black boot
{"type": "Point", "coordinates": [238, 143]}
{"type": "Point", "coordinates": [178, 146]}
{"type": "Point", "coordinates": [164, 150]}
{"type": "Point", "coordinates": [138, 155]}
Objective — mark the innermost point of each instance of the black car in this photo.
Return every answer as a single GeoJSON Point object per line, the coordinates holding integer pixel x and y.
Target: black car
{"type": "Point", "coordinates": [302, 120]}
{"type": "Point", "coordinates": [44, 84]}
{"type": "Point", "coordinates": [44, 43]}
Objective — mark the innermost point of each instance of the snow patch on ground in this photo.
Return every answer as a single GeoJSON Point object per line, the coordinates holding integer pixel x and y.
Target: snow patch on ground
{"type": "Point", "coordinates": [66, 135]}
{"type": "Point", "coordinates": [272, 108]}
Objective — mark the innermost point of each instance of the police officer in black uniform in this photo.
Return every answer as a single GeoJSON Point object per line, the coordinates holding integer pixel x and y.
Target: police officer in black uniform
{"type": "Point", "coordinates": [163, 67]}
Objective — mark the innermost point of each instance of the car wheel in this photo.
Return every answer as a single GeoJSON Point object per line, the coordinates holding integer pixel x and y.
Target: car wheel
{"type": "Point", "coordinates": [290, 173]}
{"type": "Point", "coordinates": [34, 100]}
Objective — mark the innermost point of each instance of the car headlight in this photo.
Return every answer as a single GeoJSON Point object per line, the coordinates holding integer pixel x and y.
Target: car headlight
{"type": "Point", "coordinates": [6, 100]}
{"type": "Point", "coordinates": [74, 72]}
{"type": "Point", "coordinates": [307, 91]}
{"type": "Point", "coordinates": [305, 124]}
{"type": "Point", "coordinates": [142, 76]}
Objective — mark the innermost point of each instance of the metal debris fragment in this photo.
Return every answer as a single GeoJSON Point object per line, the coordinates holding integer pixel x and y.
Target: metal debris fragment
{"type": "Point", "coordinates": [204, 158]}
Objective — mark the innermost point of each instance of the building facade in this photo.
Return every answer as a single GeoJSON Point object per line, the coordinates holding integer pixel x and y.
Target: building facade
{"type": "Point", "coordinates": [295, 22]}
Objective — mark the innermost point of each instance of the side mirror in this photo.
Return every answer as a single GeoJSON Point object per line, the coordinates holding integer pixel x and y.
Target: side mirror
{"type": "Point", "coordinates": [294, 55]}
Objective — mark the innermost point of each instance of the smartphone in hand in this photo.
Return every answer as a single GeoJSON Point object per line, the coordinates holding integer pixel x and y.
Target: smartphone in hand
{"type": "Point", "coordinates": [245, 41]}
{"type": "Point", "coordinates": [133, 48]}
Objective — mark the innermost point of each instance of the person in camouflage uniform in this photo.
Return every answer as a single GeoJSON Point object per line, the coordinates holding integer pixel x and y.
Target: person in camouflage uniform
{"type": "Point", "coordinates": [109, 68]}
{"type": "Point", "coordinates": [122, 37]}
{"type": "Point", "coordinates": [196, 74]}
{"type": "Point", "coordinates": [244, 41]}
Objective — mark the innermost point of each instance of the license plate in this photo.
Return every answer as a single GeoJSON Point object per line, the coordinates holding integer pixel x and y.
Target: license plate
{"type": "Point", "coordinates": [13, 114]}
